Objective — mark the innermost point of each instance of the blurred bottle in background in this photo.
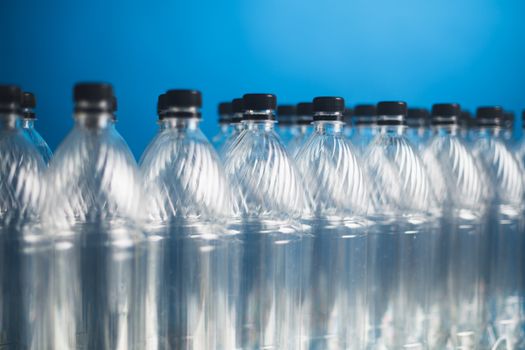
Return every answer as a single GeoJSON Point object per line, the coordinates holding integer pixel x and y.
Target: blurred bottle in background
{"type": "Point", "coordinates": [273, 199]}
{"type": "Point", "coordinates": [348, 129]}
{"type": "Point", "coordinates": [237, 127]}
{"type": "Point", "coordinates": [287, 123]}
{"type": "Point", "coordinates": [28, 125]}
{"type": "Point", "coordinates": [400, 244]}
{"type": "Point", "coordinates": [364, 125]}
{"type": "Point", "coordinates": [224, 110]}
{"type": "Point", "coordinates": [304, 126]}
{"type": "Point", "coordinates": [93, 211]}
{"type": "Point", "coordinates": [456, 284]}
{"type": "Point", "coordinates": [418, 132]}
{"type": "Point", "coordinates": [189, 197]}
{"type": "Point", "coordinates": [334, 304]}
{"type": "Point", "coordinates": [504, 233]}
{"type": "Point", "coordinates": [25, 251]}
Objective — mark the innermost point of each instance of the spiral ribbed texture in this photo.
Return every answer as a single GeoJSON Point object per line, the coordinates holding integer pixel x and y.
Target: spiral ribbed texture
{"type": "Point", "coordinates": [457, 180]}
{"type": "Point", "coordinates": [40, 144]}
{"type": "Point", "coordinates": [502, 169]}
{"type": "Point", "coordinates": [93, 176]}
{"type": "Point", "coordinates": [21, 185]}
{"type": "Point", "coordinates": [333, 175]}
{"type": "Point", "coordinates": [270, 184]}
{"type": "Point", "coordinates": [398, 177]}
{"type": "Point", "coordinates": [183, 177]}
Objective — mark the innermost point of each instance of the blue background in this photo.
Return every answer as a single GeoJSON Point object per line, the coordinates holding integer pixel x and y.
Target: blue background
{"type": "Point", "coordinates": [422, 51]}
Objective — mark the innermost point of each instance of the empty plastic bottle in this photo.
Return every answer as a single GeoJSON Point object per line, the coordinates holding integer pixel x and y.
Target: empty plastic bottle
{"type": "Point", "coordinates": [187, 260]}
{"type": "Point", "coordinates": [287, 123]}
{"type": "Point", "coordinates": [237, 127]}
{"type": "Point", "coordinates": [269, 275]}
{"type": "Point", "coordinates": [365, 126]}
{"type": "Point", "coordinates": [456, 285]}
{"type": "Point", "coordinates": [92, 210]}
{"type": "Point", "coordinates": [304, 126]}
{"type": "Point", "coordinates": [504, 233]}
{"type": "Point", "coordinates": [28, 125]}
{"type": "Point", "coordinates": [401, 241]}
{"type": "Point", "coordinates": [418, 123]}
{"type": "Point", "coordinates": [226, 129]}
{"type": "Point", "coordinates": [25, 312]}
{"type": "Point", "coordinates": [334, 304]}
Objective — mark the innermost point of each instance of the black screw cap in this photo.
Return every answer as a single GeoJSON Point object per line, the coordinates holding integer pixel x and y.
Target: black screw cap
{"type": "Point", "coordinates": [391, 112]}
{"type": "Point", "coordinates": [259, 102]}
{"type": "Point", "coordinates": [365, 111]}
{"type": "Point", "coordinates": [93, 92]}
{"type": "Point", "coordinates": [178, 98]}
{"type": "Point", "coordinates": [161, 105]}
{"type": "Point", "coordinates": [446, 110]}
{"type": "Point", "coordinates": [10, 98]}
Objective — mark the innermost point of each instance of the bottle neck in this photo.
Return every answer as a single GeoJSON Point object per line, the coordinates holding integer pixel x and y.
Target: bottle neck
{"type": "Point", "coordinates": [179, 123]}
{"type": "Point", "coordinates": [93, 121]}
{"type": "Point", "coordinates": [392, 129]}
{"type": "Point", "coordinates": [450, 129]}
{"type": "Point", "coordinates": [28, 123]}
{"type": "Point", "coordinates": [8, 121]}
{"type": "Point", "coordinates": [329, 127]}
{"type": "Point", "coordinates": [259, 125]}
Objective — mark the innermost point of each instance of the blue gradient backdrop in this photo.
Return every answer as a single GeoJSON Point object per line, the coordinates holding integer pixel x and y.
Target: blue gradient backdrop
{"type": "Point", "coordinates": [471, 51]}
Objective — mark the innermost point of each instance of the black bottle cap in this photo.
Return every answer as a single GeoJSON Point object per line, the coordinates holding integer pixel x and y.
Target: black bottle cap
{"type": "Point", "coordinates": [417, 117]}
{"type": "Point", "coordinates": [10, 98]}
{"type": "Point", "coordinates": [161, 105]}
{"type": "Point", "coordinates": [489, 115]}
{"type": "Point", "coordinates": [365, 111]}
{"type": "Point", "coordinates": [466, 120]}
{"type": "Point", "coordinates": [28, 104]}
{"type": "Point", "coordinates": [93, 97]}
{"type": "Point", "coordinates": [259, 106]}
{"type": "Point", "coordinates": [446, 113]}
{"type": "Point", "coordinates": [365, 114]}
{"type": "Point", "coordinates": [183, 104]}
{"type": "Point", "coordinates": [328, 108]}
{"type": "Point", "coordinates": [225, 111]}
{"type": "Point", "coordinates": [286, 114]}
{"type": "Point", "coordinates": [347, 115]}
{"type": "Point", "coordinates": [391, 112]}
{"type": "Point", "coordinates": [114, 107]}
{"type": "Point", "coordinates": [508, 119]}
{"type": "Point", "coordinates": [237, 110]}
{"type": "Point", "coordinates": [305, 111]}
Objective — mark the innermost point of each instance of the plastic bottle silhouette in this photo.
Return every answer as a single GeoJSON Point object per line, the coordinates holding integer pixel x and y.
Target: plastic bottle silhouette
{"type": "Point", "coordinates": [28, 125]}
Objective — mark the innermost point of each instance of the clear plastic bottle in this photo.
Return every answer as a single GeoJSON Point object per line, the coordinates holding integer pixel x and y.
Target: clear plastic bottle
{"type": "Point", "coordinates": [225, 114]}
{"type": "Point", "coordinates": [418, 130]}
{"type": "Point", "coordinates": [400, 244]}
{"type": "Point", "coordinates": [273, 198]}
{"type": "Point", "coordinates": [504, 234]}
{"type": "Point", "coordinates": [365, 126]}
{"type": "Point", "coordinates": [287, 123]}
{"type": "Point", "coordinates": [334, 304]}
{"type": "Point", "coordinates": [93, 210]}
{"type": "Point", "coordinates": [28, 125]}
{"type": "Point", "coordinates": [25, 251]}
{"type": "Point", "coordinates": [237, 127]}
{"type": "Point", "coordinates": [304, 126]}
{"type": "Point", "coordinates": [456, 284]}
{"type": "Point", "coordinates": [189, 196]}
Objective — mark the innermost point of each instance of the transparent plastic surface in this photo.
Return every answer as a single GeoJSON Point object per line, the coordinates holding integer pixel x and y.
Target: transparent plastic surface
{"type": "Point", "coordinates": [400, 243]}
{"type": "Point", "coordinates": [299, 140]}
{"type": "Point", "coordinates": [334, 298]}
{"type": "Point", "coordinates": [21, 168]}
{"type": "Point", "coordinates": [26, 314]}
{"type": "Point", "coordinates": [504, 241]}
{"type": "Point", "coordinates": [187, 245]}
{"type": "Point", "coordinates": [362, 135]}
{"type": "Point", "coordinates": [231, 141]}
{"type": "Point", "coordinates": [224, 134]}
{"type": "Point", "coordinates": [268, 240]}
{"type": "Point", "coordinates": [28, 126]}
{"type": "Point", "coordinates": [94, 185]}
{"type": "Point", "coordinates": [287, 132]}
{"type": "Point", "coordinates": [457, 284]}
